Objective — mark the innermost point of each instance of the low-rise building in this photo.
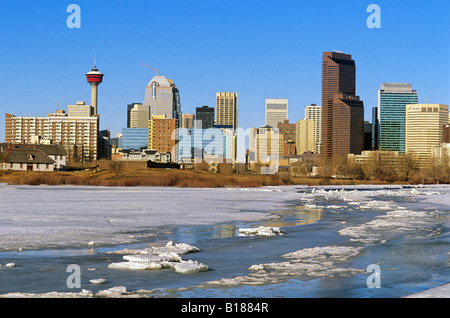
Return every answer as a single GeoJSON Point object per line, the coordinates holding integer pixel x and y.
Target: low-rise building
{"type": "Point", "coordinates": [12, 153]}
{"type": "Point", "coordinates": [146, 154]}
{"type": "Point", "coordinates": [25, 159]}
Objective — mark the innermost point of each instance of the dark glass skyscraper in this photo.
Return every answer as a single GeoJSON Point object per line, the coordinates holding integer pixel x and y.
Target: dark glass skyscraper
{"type": "Point", "coordinates": [342, 111]}
{"type": "Point", "coordinates": [205, 114]}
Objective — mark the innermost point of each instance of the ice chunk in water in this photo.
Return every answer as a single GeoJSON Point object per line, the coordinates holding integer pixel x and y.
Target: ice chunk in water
{"type": "Point", "coordinates": [261, 231]}
{"type": "Point", "coordinates": [190, 267]}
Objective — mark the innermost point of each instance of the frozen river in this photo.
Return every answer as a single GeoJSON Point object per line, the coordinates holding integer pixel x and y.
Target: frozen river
{"type": "Point", "coordinates": [332, 236]}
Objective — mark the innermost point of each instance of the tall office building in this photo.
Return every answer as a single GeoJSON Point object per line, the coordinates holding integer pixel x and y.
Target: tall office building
{"type": "Point", "coordinates": [446, 133]}
{"type": "Point", "coordinates": [342, 111]}
{"type": "Point", "coordinates": [392, 98]}
{"type": "Point", "coordinates": [204, 117]}
{"type": "Point", "coordinates": [138, 115]}
{"type": "Point", "coordinates": [226, 109]}
{"type": "Point", "coordinates": [276, 111]}
{"type": "Point", "coordinates": [188, 121]}
{"type": "Point", "coordinates": [305, 136]}
{"type": "Point", "coordinates": [314, 112]}
{"type": "Point", "coordinates": [163, 97]}
{"type": "Point", "coordinates": [375, 129]}
{"type": "Point", "coordinates": [368, 135]}
{"type": "Point", "coordinates": [423, 128]}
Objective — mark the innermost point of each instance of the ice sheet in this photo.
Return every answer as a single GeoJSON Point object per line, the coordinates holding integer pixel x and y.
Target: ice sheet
{"type": "Point", "coordinates": [39, 217]}
{"type": "Point", "coordinates": [33, 217]}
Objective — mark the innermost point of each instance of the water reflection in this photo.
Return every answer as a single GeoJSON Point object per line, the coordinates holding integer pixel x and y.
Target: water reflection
{"type": "Point", "coordinates": [295, 215]}
{"type": "Point", "coordinates": [298, 215]}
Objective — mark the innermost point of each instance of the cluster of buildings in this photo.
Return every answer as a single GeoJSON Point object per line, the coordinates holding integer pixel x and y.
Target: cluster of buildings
{"type": "Point", "coordinates": [158, 131]}
{"type": "Point", "coordinates": [76, 131]}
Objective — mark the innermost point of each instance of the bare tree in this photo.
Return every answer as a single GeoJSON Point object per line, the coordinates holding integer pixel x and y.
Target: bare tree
{"type": "Point", "coordinates": [407, 165]}
{"type": "Point", "coordinates": [117, 168]}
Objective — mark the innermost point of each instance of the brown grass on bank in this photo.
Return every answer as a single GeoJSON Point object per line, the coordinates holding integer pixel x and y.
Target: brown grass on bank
{"type": "Point", "coordinates": [151, 177]}
{"type": "Point", "coordinates": [168, 178]}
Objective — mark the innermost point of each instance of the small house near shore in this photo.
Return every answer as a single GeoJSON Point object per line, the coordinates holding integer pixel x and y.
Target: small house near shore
{"type": "Point", "coordinates": [24, 157]}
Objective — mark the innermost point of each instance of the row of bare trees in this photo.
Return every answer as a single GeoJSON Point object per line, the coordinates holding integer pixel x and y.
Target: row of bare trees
{"type": "Point", "coordinates": [386, 167]}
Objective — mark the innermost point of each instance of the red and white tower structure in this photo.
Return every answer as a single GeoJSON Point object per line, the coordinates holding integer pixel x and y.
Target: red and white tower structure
{"type": "Point", "coordinates": [94, 77]}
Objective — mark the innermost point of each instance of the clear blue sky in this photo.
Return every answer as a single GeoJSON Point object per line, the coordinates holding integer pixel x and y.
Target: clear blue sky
{"type": "Point", "coordinates": [257, 48]}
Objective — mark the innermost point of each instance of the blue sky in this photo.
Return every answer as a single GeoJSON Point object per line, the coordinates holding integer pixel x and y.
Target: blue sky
{"type": "Point", "coordinates": [257, 48]}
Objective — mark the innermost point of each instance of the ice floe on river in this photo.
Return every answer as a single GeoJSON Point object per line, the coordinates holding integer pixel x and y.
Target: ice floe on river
{"type": "Point", "coordinates": [307, 263]}
{"type": "Point", "coordinates": [156, 258]}
{"type": "Point", "coordinates": [261, 231]}
{"type": "Point", "coordinates": [384, 227]}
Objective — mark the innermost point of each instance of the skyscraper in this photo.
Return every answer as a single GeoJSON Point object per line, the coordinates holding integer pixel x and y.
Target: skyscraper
{"type": "Point", "coordinates": [314, 112]}
{"type": "Point", "coordinates": [305, 136]}
{"type": "Point", "coordinates": [423, 129]}
{"type": "Point", "coordinates": [276, 111]}
{"type": "Point", "coordinates": [163, 97]}
{"type": "Point", "coordinates": [138, 115]}
{"type": "Point", "coordinates": [446, 133]}
{"type": "Point", "coordinates": [226, 109]}
{"type": "Point", "coordinates": [342, 111]}
{"type": "Point", "coordinates": [392, 98]}
{"type": "Point", "coordinates": [188, 121]}
{"type": "Point", "coordinates": [375, 129]}
{"type": "Point", "coordinates": [204, 116]}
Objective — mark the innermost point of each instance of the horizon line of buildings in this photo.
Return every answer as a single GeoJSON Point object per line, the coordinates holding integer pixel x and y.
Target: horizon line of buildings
{"type": "Point", "coordinates": [336, 127]}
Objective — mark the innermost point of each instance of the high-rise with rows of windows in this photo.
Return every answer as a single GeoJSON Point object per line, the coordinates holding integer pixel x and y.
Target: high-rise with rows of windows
{"type": "Point", "coordinates": [392, 98]}
{"type": "Point", "coordinates": [276, 111]}
{"type": "Point", "coordinates": [204, 117]}
{"type": "Point", "coordinates": [314, 112]}
{"type": "Point", "coordinates": [342, 111]}
{"type": "Point", "coordinates": [163, 97]}
{"type": "Point", "coordinates": [226, 109]}
{"type": "Point", "coordinates": [423, 127]}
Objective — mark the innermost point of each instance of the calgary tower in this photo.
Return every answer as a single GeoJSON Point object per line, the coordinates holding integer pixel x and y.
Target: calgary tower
{"type": "Point", "coordinates": [94, 77]}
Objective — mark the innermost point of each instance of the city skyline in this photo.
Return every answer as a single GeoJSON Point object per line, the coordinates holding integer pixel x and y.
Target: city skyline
{"type": "Point", "coordinates": [254, 73]}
